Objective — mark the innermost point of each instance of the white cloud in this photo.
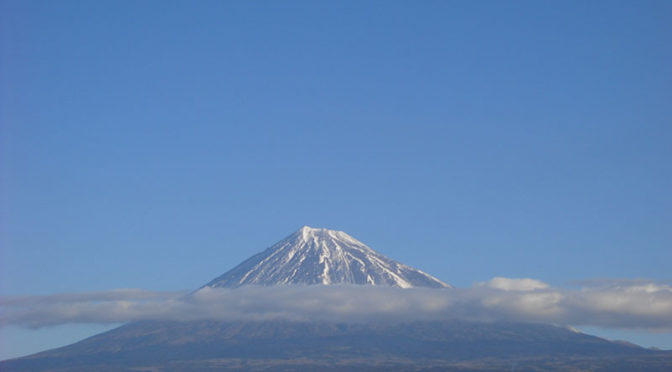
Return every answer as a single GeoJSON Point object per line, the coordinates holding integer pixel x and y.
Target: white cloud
{"type": "Point", "coordinates": [514, 284]}
{"type": "Point", "coordinates": [621, 304]}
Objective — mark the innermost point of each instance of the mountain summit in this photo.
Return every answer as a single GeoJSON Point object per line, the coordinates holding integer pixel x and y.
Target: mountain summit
{"type": "Point", "coordinates": [322, 256]}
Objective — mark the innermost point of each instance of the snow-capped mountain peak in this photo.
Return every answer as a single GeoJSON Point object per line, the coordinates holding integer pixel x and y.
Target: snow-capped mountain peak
{"type": "Point", "coordinates": [312, 234]}
{"type": "Point", "coordinates": [322, 256]}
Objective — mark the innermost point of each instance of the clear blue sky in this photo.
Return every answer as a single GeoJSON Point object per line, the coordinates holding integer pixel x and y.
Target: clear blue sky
{"type": "Point", "coordinates": [156, 144]}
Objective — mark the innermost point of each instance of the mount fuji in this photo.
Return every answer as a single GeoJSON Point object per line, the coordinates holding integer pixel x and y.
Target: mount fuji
{"type": "Point", "coordinates": [313, 257]}
{"type": "Point", "coordinates": [321, 256]}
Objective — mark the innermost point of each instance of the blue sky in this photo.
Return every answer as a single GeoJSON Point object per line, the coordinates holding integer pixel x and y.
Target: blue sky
{"type": "Point", "coordinates": [157, 144]}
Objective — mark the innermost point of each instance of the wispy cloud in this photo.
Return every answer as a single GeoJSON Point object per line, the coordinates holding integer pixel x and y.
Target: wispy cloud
{"type": "Point", "coordinates": [619, 303]}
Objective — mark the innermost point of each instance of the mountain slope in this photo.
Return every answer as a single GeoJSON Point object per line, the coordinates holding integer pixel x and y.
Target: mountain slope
{"type": "Point", "coordinates": [307, 346]}
{"type": "Point", "coordinates": [322, 256]}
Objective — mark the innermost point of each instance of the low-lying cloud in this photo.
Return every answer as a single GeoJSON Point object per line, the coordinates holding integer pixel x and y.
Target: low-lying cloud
{"type": "Point", "coordinates": [619, 304]}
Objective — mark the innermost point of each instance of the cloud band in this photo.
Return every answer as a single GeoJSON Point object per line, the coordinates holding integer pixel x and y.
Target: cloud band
{"type": "Point", "coordinates": [619, 304]}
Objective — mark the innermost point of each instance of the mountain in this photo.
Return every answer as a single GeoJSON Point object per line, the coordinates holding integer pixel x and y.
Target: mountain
{"type": "Point", "coordinates": [321, 256]}
{"type": "Point", "coordinates": [157, 346]}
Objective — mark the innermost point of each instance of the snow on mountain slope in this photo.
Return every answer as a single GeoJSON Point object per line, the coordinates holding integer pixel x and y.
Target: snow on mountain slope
{"type": "Point", "coordinates": [322, 256]}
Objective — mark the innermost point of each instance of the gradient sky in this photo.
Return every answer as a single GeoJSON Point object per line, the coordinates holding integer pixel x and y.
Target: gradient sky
{"type": "Point", "coordinates": [157, 144]}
